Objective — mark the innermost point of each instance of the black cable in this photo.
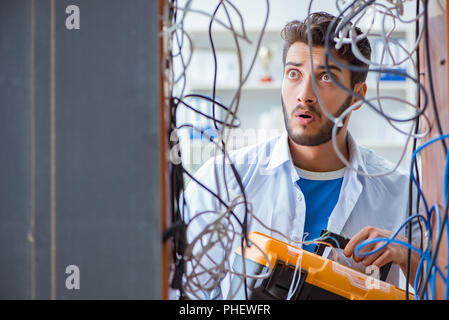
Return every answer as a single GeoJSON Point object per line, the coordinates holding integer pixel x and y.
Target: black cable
{"type": "Point", "coordinates": [177, 230]}
{"type": "Point", "coordinates": [435, 252]}
{"type": "Point", "coordinates": [175, 103]}
{"type": "Point", "coordinates": [213, 194]}
{"type": "Point", "coordinates": [237, 176]}
{"type": "Point", "coordinates": [432, 92]}
{"type": "Point", "coordinates": [244, 239]}
{"type": "Point", "coordinates": [331, 33]}
{"type": "Point", "coordinates": [205, 115]}
{"type": "Point", "coordinates": [353, 68]}
{"type": "Point", "coordinates": [409, 233]}
{"type": "Point", "coordinates": [328, 53]}
{"type": "Point", "coordinates": [214, 54]}
{"type": "Point", "coordinates": [410, 203]}
{"type": "Point", "coordinates": [231, 125]}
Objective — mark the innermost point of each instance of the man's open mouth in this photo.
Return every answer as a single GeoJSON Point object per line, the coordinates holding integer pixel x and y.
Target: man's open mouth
{"type": "Point", "coordinates": [304, 117]}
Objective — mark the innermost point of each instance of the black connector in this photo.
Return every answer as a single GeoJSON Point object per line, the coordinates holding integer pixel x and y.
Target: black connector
{"type": "Point", "coordinates": [340, 242]}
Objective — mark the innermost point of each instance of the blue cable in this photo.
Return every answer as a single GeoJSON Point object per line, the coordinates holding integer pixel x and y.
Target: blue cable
{"type": "Point", "coordinates": [424, 254]}
{"type": "Point", "coordinates": [362, 244]}
{"type": "Point", "coordinates": [438, 219]}
{"type": "Point", "coordinates": [387, 241]}
{"type": "Point", "coordinates": [413, 160]}
{"type": "Point", "coordinates": [415, 282]}
{"type": "Point", "coordinates": [445, 189]}
{"type": "Point", "coordinates": [446, 168]}
{"type": "Point", "coordinates": [445, 184]}
{"type": "Point", "coordinates": [338, 247]}
{"type": "Point", "coordinates": [446, 296]}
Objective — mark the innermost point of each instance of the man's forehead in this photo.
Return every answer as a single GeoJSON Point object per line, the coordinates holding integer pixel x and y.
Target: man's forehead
{"type": "Point", "coordinates": [299, 55]}
{"type": "Point", "coordinates": [301, 50]}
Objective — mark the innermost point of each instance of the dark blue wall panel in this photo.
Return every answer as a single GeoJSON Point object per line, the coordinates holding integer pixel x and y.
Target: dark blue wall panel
{"type": "Point", "coordinates": [107, 195]}
{"type": "Point", "coordinates": [15, 146]}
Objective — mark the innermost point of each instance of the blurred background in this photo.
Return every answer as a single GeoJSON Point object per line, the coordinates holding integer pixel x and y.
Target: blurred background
{"type": "Point", "coordinates": [260, 110]}
{"type": "Point", "coordinates": [79, 150]}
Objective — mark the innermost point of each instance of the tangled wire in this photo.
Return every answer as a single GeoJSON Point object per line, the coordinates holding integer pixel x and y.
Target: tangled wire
{"type": "Point", "coordinates": [200, 262]}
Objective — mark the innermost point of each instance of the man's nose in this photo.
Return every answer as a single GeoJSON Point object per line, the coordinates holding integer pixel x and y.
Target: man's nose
{"type": "Point", "coordinates": [306, 94]}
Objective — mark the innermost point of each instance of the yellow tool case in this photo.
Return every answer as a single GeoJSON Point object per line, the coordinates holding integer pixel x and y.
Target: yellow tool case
{"type": "Point", "coordinates": [313, 276]}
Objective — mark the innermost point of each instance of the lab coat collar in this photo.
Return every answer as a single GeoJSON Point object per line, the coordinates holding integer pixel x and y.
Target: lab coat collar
{"type": "Point", "coordinates": [280, 152]}
{"type": "Point", "coordinates": [351, 188]}
{"type": "Point", "coordinates": [355, 157]}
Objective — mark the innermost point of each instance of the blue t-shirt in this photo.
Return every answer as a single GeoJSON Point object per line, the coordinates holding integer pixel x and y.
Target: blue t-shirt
{"type": "Point", "coordinates": [321, 191]}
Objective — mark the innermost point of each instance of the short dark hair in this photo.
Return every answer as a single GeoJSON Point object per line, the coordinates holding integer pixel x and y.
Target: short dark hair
{"type": "Point", "coordinates": [295, 31]}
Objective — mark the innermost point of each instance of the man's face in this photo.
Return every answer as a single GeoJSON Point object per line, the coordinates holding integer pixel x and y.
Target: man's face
{"type": "Point", "coordinates": [305, 122]}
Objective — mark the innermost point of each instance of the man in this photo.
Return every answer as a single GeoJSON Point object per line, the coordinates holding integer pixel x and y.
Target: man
{"type": "Point", "coordinates": [295, 185]}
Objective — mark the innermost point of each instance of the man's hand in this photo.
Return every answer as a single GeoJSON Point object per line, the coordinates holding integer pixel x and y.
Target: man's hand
{"type": "Point", "coordinates": [392, 252]}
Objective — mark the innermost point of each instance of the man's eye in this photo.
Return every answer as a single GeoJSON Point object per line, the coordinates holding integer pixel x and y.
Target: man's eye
{"type": "Point", "coordinates": [325, 77]}
{"type": "Point", "coordinates": [293, 74]}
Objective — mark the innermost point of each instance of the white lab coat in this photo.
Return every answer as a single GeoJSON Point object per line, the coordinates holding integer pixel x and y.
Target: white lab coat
{"type": "Point", "coordinates": [269, 178]}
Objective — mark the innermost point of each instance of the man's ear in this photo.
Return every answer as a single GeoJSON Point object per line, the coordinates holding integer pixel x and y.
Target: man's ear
{"type": "Point", "coordinates": [360, 88]}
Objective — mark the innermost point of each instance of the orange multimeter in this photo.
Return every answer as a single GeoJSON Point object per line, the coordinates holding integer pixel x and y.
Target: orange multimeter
{"type": "Point", "coordinates": [297, 274]}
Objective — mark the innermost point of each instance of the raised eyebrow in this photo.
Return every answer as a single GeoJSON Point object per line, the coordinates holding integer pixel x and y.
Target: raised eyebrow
{"type": "Point", "coordinates": [295, 64]}
{"type": "Point", "coordinates": [321, 67]}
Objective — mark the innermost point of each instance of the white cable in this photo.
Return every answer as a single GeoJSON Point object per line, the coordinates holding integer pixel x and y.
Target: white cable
{"type": "Point", "coordinates": [221, 231]}
{"type": "Point", "coordinates": [294, 285]}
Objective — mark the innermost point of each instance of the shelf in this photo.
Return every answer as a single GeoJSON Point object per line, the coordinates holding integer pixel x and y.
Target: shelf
{"type": "Point", "coordinates": [380, 144]}
{"type": "Point", "coordinates": [276, 85]}
{"type": "Point", "coordinates": [388, 85]}
{"type": "Point", "coordinates": [230, 87]}
{"type": "Point", "coordinates": [224, 39]}
{"type": "Point", "coordinates": [272, 32]}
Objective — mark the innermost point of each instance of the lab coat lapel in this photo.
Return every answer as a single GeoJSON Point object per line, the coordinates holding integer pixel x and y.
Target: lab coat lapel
{"type": "Point", "coordinates": [349, 194]}
{"type": "Point", "coordinates": [351, 189]}
{"type": "Point", "coordinates": [292, 214]}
